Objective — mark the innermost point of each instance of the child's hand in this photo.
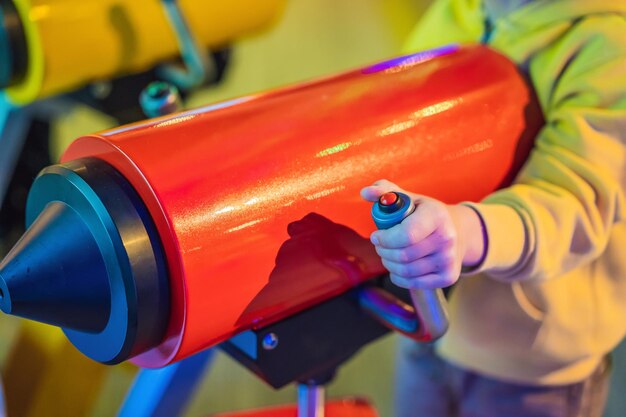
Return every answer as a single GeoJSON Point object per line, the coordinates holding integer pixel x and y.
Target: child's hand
{"type": "Point", "coordinates": [428, 248]}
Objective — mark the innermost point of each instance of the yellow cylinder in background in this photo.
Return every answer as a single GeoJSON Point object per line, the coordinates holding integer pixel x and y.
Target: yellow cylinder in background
{"type": "Point", "coordinates": [73, 42]}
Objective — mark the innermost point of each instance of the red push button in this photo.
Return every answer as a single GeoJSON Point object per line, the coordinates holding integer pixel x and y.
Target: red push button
{"type": "Point", "coordinates": [388, 199]}
{"type": "Point", "coordinates": [390, 202]}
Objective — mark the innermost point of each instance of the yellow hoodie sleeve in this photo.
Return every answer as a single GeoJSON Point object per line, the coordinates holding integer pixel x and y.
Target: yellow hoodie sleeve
{"type": "Point", "coordinates": [560, 212]}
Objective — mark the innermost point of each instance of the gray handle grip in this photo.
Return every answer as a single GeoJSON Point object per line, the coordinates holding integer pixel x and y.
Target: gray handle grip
{"type": "Point", "coordinates": [425, 321]}
{"type": "Point", "coordinates": [428, 319]}
{"type": "Point", "coordinates": [430, 308]}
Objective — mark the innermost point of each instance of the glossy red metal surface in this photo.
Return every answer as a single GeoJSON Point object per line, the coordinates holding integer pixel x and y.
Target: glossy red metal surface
{"type": "Point", "coordinates": [257, 199]}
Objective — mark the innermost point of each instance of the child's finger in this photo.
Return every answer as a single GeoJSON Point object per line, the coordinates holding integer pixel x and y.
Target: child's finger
{"type": "Point", "coordinates": [416, 269]}
{"type": "Point", "coordinates": [412, 231]}
{"type": "Point", "coordinates": [425, 282]}
{"type": "Point", "coordinates": [380, 187]}
{"type": "Point", "coordinates": [432, 243]}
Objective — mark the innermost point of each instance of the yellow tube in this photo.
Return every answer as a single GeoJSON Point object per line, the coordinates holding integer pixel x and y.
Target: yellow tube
{"type": "Point", "coordinates": [74, 42]}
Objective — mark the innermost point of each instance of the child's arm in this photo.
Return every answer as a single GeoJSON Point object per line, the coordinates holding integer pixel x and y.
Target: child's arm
{"type": "Point", "coordinates": [560, 212]}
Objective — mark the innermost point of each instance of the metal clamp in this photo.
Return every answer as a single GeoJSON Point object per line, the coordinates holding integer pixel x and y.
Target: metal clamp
{"type": "Point", "coordinates": [197, 65]}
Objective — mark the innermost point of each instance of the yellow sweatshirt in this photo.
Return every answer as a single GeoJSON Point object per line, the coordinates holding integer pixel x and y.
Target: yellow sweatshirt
{"type": "Point", "coordinates": [549, 301]}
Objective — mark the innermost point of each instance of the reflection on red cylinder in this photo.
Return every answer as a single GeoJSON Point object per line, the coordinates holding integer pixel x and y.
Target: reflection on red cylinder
{"type": "Point", "coordinates": [257, 199]}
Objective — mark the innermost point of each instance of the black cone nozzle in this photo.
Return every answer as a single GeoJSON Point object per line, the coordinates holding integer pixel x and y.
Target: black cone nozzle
{"type": "Point", "coordinates": [58, 244]}
{"type": "Point", "coordinates": [90, 262]}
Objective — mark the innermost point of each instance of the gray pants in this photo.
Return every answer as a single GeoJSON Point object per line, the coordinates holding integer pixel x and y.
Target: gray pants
{"type": "Point", "coordinates": [427, 386]}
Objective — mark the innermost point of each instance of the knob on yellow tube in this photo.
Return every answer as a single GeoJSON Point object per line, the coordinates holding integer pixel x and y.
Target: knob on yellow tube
{"type": "Point", "coordinates": [72, 42]}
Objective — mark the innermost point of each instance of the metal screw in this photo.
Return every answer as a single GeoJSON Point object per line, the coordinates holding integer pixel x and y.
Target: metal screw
{"type": "Point", "coordinates": [270, 341]}
{"type": "Point", "coordinates": [159, 98]}
{"type": "Point", "coordinates": [101, 89]}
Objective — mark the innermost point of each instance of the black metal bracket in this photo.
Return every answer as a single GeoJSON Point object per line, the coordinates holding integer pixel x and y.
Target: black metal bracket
{"type": "Point", "coordinates": [309, 347]}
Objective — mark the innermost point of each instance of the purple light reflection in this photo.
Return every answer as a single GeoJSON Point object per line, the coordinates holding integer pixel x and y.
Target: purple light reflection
{"type": "Point", "coordinates": [410, 60]}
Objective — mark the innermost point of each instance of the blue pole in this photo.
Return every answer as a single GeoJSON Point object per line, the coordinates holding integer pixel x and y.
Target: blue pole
{"type": "Point", "coordinates": [165, 392]}
{"type": "Point", "coordinates": [3, 412]}
{"type": "Point", "coordinates": [13, 129]}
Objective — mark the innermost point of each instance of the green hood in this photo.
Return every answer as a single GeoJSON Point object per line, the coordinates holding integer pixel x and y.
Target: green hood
{"type": "Point", "coordinates": [540, 13]}
{"type": "Point", "coordinates": [449, 21]}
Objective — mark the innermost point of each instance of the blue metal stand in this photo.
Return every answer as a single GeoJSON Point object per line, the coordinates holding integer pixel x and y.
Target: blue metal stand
{"type": "Point", "coordinates": [165, 392]}
{"type": "Point", "coordinates": [3, 412]}
{"type": "Point", "coordinates": [13, 130]}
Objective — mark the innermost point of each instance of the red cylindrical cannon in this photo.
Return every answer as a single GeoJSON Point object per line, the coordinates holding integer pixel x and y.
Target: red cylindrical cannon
{"type": "Point", "coordinates": [256, 200]}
